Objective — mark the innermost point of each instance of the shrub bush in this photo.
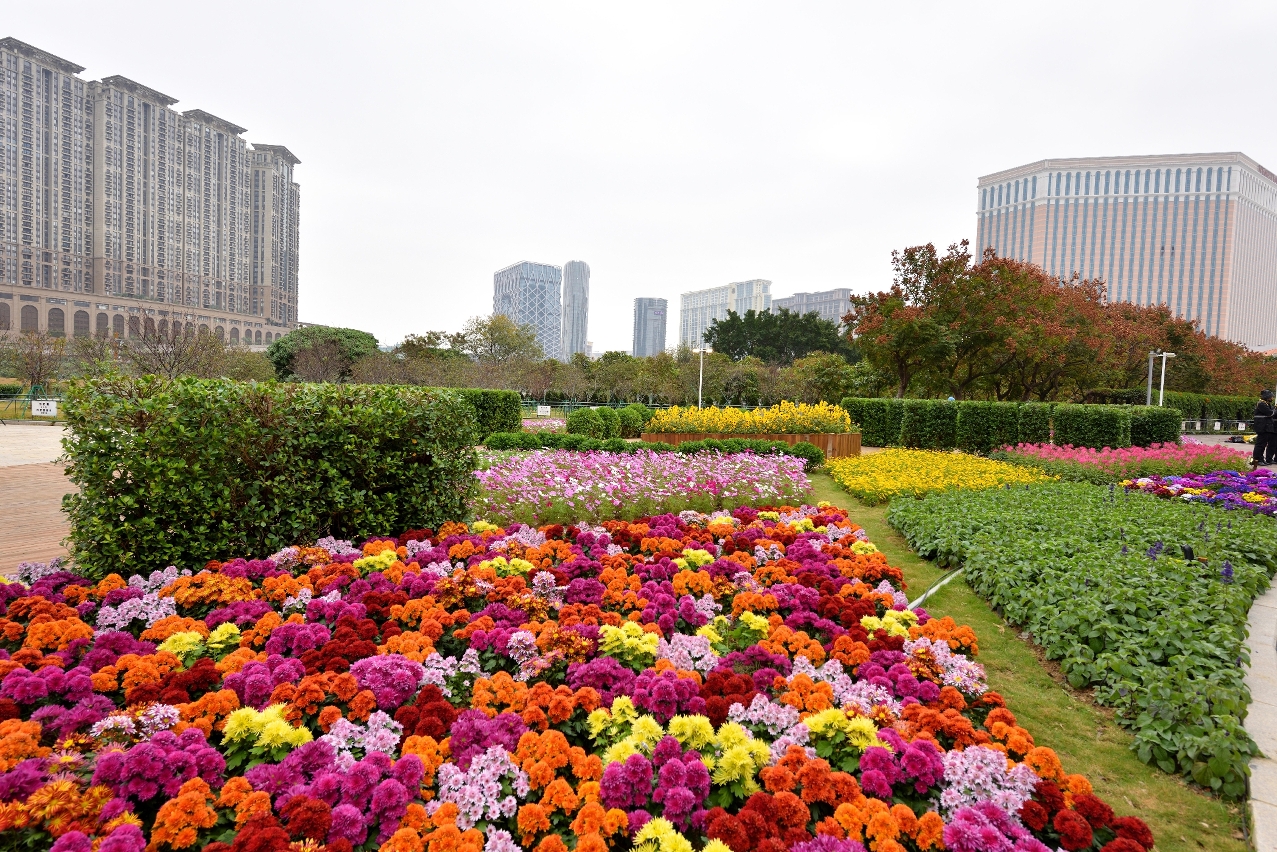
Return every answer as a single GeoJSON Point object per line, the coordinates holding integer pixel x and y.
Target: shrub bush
{"type": "Point", "coordinates": [631, 422]}
{"type": "Point", "coordinates": [1152, 425]}
{"type": "Point", "coordinates": [586, 421]}
{"type": "Point", "coordinates": [928, 424]}
{"type": "Point", "coordinates": [985, 426]}
{"type": "Point", "coordinates": [1112, 586]}
{"type": "Point", "coordinates": [175, 473]}
{"type": "Point", "coordinates": [1095, 426]}
{"type": "Point", "coordinates": [611, 422]}
{"type": "Point", "coordinates": [879, 420]}
{"type": "Point", "coordinates": [1035, 422]}
{"type": "Point", "coordinates": [10, 389]}
{"type": "Point", "coordinates": [494, 410]}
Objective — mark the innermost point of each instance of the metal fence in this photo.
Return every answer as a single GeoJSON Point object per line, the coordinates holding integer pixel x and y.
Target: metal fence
{"type": "Point", "coordinates": [27, 406]}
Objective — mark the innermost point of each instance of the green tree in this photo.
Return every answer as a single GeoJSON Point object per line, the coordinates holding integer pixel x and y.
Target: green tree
{"type": "Point", "coordinates": [774, 337]}
{"type": "Point", "coordinates": [348, 346]}
{"type": "Point", "coordinates": [497, 339]}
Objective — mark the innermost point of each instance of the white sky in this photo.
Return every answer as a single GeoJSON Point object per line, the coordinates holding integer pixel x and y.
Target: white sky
{"type": "Point", "coordinates": [672, 146]}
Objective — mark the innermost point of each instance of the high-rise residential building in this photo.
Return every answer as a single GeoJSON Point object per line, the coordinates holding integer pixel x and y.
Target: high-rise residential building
{"type": "Point", "coordinates": [1194, 232]}
{"type": "Point", "coordinates": [576, 307]}
{"type": "Point", "coordinates": [832, 305]}
{"type": "Point", "coordinates": [649, 327]}
{"type": "Point", "coordinates": [118, 211]}
{"type": "Point", "coordinates": [701, 307]}
{"type": "Point", "coordinates": [528, 293]}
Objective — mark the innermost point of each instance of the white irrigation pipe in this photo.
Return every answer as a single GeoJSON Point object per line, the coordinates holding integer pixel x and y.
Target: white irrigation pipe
{"type": "Point", "coordinates": [936, 586]}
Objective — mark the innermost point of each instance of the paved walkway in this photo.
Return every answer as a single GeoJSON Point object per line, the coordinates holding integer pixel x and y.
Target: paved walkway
{"type": "Point", "coordinates": [32, 525]}
{"type": "Point", "coordinates": [1261, 719]}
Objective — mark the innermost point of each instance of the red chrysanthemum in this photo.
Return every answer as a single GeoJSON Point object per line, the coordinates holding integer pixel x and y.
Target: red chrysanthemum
{"type": "Point", "coordinates": [1050, 796]}
{"type": "Point", "coordinates": [1034, 815]}
{"type": "Point", "coordinates": [308, 817]}
{"type": "Point", "coordinates": [1075, 832]}
{"type": "Point", "coordinates": [1121, 844]}
{"type": "Point", "coordinates": [1133, 828]}
{"type": "Point", "coordinates": [1093, 809]}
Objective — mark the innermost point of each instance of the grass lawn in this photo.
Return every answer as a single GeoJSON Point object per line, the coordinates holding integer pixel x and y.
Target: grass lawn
{"type": "Point", "coordinates": [1085, 736]}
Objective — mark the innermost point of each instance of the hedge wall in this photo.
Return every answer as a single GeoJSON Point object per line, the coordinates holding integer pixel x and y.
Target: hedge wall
{"type": "Point", "coordinates": [986, 426]}
{"type": "Point", "coordinates": [1193, 406]}
{"type": "Point", "coordinates": [879, 419]}
{"type": "Point", "coordinates": [1153, 425]}
{"type": "Point", "coordinates": [177, 473]}
{"type": "Point", "coordinates": [928, 424]}
{"type": "Point", "coordinates": [1093, 426]}
{"type": "Point", "coordinates": [494, 410]}
{"type": "Point", "coordinates": [1035, 422]}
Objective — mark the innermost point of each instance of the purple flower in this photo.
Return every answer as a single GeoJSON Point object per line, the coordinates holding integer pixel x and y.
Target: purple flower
{"type": "Point", "coordinates": [348, 822]}
{"type": "Point", "coordinates": [627, 785]}
{"type": "Point", "coordinates": [473, 733]}
{"type": "Point", "coordinates": [125, 838]}
{"type": "Point", "coordinates": [392, 678]}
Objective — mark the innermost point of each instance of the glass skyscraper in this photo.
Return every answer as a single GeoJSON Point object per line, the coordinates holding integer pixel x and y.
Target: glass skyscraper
{"type": "Point", "coordinates": [528, 293]}
{"type": "Point", "coordinates": [576, 307]}
{"type": "Point", "coordinates": [649, 327]}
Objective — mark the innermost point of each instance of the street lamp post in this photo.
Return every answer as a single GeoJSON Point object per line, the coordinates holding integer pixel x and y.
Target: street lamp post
{"type": "Point", "coordinates": [1148, 400]}
{"type": "Point", "coordinates": [1161, 390]}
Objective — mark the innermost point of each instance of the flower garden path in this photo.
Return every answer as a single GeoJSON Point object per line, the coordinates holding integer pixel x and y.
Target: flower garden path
{"type": "Point", "coordinates": [32, 524]}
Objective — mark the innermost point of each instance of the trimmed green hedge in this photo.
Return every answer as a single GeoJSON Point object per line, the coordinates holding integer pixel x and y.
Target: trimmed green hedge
{"type": "Point", "coordinates": [585, 421]}
{"type": "Point", "coordinates": [928, 424]}
{"type": "Point", "coordinates": [1035, 422]}
{"type": "Point", "coordinates": [10, 389]}
{"type": "Point", "coordinates": [611, 422]}
{"type": "Point", "coordinates": [1152, 425]}
{"type": "Point", "coordinates": [494, 410]}
{"type": "Point", "coordinates": [1193, 406]}
{"type": "Point", "coordinates": [177, 473]}
{"type": "Point", "coordinates": [811, 455]}
{"type": "Point", "coordinates": [985, 426]}
{"type": "Point", "coordinates": [1094, 426]}
{"type": "Point", "coordinates": [879, 419]}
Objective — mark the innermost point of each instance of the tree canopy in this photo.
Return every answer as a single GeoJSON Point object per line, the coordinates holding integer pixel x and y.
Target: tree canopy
{"type": "Point", "coordinates": [337, 347]}
{"type": "Point", "coordinates": [776, 337]}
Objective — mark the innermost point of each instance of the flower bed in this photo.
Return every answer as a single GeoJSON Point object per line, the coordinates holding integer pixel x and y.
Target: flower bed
{"type": "Point", "coordinates": [1081, 464]}
{"type": "Point", "coordinates": [1225, 488]}
{"type": "Point", "coordinates": [544, 424]}
{"type": "Point", "coordinates": [560, 486]}
{"type": "Point", "coordinates": [787, 418]}
{"type": "Point", "coordinates": [736, 682]}
{"type": "Point", "coordinates": [878, 477]}
{"type": "Point", "coordinates": [1143, 600]}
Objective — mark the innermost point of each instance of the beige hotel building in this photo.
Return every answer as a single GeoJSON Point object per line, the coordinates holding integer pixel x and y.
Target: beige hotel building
{"type": "Point", "coordinates": [1195, 232]}
{"type": "Point", "coordinates": [117, 210]}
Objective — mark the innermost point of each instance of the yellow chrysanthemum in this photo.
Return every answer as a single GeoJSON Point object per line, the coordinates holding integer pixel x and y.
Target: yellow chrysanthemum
{"type": "Point", "coordinates": [885, 475]}
{"type": "Point", "coordinates": [659, 835]}
{"type": "Point", "coordinates": [692, 732]}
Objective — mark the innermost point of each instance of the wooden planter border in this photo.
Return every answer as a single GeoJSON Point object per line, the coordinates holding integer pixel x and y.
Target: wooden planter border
{"type": "Point", "coordinates": [834, 445]}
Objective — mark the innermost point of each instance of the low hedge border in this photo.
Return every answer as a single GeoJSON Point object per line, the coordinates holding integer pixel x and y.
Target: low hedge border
{"type": "Point", "coordinates": [811, 455]}
{"type": "Point", "coordinates": [173, 473]}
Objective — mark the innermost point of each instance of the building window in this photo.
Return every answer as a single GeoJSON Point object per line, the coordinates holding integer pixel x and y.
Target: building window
{"type": "Point", "coordinates": [5, 314]}
{"type": "Point", "coordinates": [81, 324]}
{"type": "Point", "coordinates": [57, 323]}
{"type": "Point", "coordinates": [117, 326]}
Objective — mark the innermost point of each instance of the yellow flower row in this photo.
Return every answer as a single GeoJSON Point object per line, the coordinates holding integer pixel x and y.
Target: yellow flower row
{"type": "Point", "coordinates": [878, 477]}
{"type": "Point", "coordinates": [787, 418]}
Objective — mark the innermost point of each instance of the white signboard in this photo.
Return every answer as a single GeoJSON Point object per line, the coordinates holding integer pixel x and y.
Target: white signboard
{"type": "Point", "coordinates": [44, 408]}
{"type": "Point", "coordinates": [543, 411]}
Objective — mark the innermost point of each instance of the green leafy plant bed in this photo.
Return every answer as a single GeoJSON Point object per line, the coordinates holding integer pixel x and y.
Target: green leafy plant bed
{"type": "Point", "coordinates": [1143, 600]}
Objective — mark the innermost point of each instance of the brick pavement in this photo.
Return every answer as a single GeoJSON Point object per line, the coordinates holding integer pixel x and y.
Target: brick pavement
{"type": "Point", "coordinates": [32, 525]}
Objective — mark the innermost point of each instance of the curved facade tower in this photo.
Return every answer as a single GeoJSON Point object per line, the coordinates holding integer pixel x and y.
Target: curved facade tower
{"type": "Point", "coordinates": [576, 307]}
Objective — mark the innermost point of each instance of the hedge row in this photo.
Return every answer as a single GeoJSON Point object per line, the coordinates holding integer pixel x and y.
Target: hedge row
{"type": "Point", "coordinates": [604, 423]}
{"type": "Point", "coordinates": [176, 473]}
{"type": "Point", "coordinates": [494, 410]}
{"type": "Point", "coordinates": [811, 455]}
{"type": "Point", "coordinates": [1194, 406]}
{"type": "Point", "coordinates": [980, 427]}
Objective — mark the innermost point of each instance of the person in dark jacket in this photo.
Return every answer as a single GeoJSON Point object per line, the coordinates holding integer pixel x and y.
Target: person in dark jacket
{"type": "Point", "coordinates": [1263, 429]}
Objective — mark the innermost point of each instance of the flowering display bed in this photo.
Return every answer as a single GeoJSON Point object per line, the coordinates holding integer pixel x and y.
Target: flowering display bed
{"type": "Point", "coordinates": [786, 418]}
{"type": "Point", "coordinates": [560, 486]}
{"type": "Point", "coordinates": [1081, 464]}
{"type": "Point", "coordinates": [1224, 488]}
{"type": "Point", "coordinates": [833, 444]}
{"type": "Point", "coordinates": [544, 424]}
{"type": "Point", "coordinates": [744, 681]}
{"type": "Point", "coordinates": [1144, 601]}
{"type": "Point", "coordinates": [879, 477]}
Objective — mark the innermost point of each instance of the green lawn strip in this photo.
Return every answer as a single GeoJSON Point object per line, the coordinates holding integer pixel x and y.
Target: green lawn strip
{"type": "Point", "coordinates": [1085, 736]}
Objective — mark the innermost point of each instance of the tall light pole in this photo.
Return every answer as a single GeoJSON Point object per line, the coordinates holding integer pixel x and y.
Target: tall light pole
{"type": "Point", "coordinates": [700, 384]}
{"type": "Point", "coordinates": [1149, 399]}
{"type": "Point", "coordinates": [1161, 391]}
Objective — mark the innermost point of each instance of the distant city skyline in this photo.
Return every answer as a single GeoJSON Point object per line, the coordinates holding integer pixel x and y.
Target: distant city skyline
{"type": "Point", "coordinates": [1194, 232]}
{"type": "Point", "coordinates": [529, 294]}
{"type": "Point", "coordinates": [650, 316]}
{"type": "Point", "coordinates": [576, 307]}
{"type": "Point", "coordinates": [832, 305]}
{"type": "Point", "coordinates": [699, 308]}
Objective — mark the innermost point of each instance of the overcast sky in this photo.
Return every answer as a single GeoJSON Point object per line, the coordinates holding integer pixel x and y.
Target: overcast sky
{"type": "Point", "coordinates": [672, 146]}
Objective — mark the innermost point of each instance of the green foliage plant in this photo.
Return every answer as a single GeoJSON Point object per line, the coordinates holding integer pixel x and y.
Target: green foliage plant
{"type": "Point", "coordinates": [586, 421]}
{"type": "Point", "coordinates": [352, 343]}
{"type": "Point", "coordinates": [494, 410]}
{"type": "Point", "coordinates": [1143, 600]}
{"type": "Point", "coordinates": [1035, 422]}
{"type": "Point", "coordinates": [180, 472]}
{"type": "Point", "coordinates": [1095, 426]}
{"type": "Point", "coordinates": [1153, 425]}
{"type": "Point", "coordinates": [611, 422]}
{"type": "Point", "coordinates": [928, 424]}
{"type": "Point", "coordinates": [879, 420]}
{"type": "Point", "coordinates": [986, 426]}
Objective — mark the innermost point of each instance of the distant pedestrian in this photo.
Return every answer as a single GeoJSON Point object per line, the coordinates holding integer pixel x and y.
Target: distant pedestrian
{"type": "Point", "coordinates": [1264, 436]}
